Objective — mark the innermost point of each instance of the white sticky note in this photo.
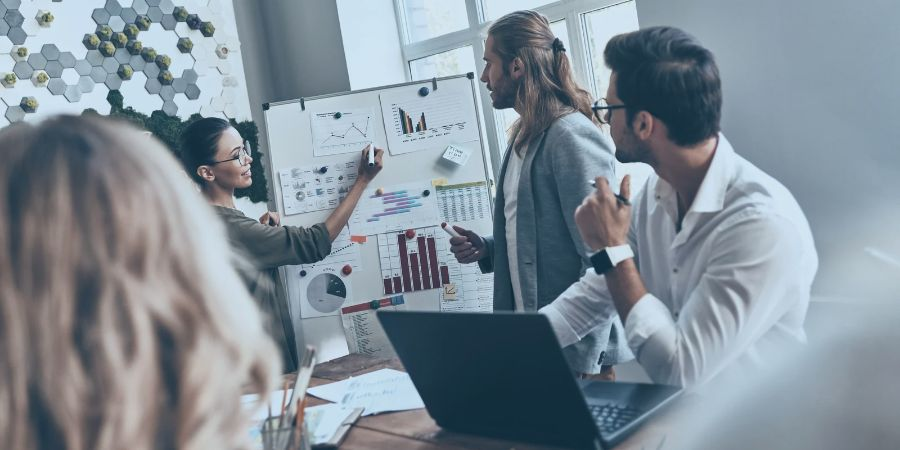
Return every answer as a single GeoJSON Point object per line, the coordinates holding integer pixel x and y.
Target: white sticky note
{"type": "Point", "coordinates": [457, 154]}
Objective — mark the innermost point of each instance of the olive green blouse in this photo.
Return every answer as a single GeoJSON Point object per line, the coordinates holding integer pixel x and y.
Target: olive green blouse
{"type": "Point", "coordinates": [268, 248]}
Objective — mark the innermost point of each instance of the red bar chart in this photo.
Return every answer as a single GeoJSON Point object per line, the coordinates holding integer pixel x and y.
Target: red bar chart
{"type": "Point", "coordinates": [410, 264]}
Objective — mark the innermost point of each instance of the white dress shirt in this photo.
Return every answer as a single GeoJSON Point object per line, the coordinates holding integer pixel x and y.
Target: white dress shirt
{"type": "Point", "coordinates": [510, 197]}
{"type": "Point", "coordinates": [732, 285]}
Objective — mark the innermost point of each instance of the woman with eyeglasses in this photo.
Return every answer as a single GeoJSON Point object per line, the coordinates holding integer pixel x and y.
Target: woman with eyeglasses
{"type": "Point", "coordinates": [218, 159]}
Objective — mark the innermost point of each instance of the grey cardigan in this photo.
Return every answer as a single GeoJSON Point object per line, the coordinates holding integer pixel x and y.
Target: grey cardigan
{"type": "Point", "coordinates": [556, 170]}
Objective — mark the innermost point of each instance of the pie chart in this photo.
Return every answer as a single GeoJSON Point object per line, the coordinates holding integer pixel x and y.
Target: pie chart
{"type": "Point", "coordinates": [326, 293]}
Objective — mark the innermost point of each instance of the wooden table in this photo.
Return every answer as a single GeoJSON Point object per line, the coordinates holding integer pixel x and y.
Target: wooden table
{"type": "Point", "coordinates": [417, 430]}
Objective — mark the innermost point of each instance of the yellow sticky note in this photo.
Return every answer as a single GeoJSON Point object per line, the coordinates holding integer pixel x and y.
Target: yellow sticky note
{"type": "Point", "coordinates": [450, 291]}
{"type": "Point", "coordinates": [439, 182]}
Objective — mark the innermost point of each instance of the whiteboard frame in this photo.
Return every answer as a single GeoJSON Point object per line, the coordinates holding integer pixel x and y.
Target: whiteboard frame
{"type": "Point", "coordinates": [326, 333]}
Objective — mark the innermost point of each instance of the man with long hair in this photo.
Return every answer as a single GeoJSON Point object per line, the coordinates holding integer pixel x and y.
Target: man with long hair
{"type": "Point", "coordinates": [555, 148]}
{"type": "Point", "coordinates": [723, 255]}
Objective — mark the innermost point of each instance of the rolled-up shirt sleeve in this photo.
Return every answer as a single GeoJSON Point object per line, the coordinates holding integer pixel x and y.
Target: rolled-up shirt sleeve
{"type": "Point", "coordinates": [585, 305]}
{"type": "Point", "coordinates": [754, 276]}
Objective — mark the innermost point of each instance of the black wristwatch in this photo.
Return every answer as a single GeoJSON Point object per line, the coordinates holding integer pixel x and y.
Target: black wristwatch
{"type": "Point", "coordinates": [609, 257]}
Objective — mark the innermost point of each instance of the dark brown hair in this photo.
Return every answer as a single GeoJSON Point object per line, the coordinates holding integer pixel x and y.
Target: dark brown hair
{"type": "Point", "coordinates": [666, 72]}
{"type": "Point", "coordinates": [548, 89]}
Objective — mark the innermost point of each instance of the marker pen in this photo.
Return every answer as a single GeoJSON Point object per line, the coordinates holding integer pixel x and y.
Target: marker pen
{"type": "Point", "coordinates": [621, 199]}
{"type": "Point", "coordinates": [449, 229]}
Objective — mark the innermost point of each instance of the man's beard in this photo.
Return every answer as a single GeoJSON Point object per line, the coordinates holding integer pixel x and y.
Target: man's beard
{"type": "Point", "coordinates": [505, 94]}
{"type": "Point", "coordinates": [631, 151]}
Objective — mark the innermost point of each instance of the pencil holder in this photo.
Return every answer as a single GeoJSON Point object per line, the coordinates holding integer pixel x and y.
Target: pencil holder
{"type": "Point", "coordinates": [285, 437]}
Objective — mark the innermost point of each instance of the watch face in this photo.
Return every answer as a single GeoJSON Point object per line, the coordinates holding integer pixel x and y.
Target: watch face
{"type": "Point", "coordinates": [601, 262]}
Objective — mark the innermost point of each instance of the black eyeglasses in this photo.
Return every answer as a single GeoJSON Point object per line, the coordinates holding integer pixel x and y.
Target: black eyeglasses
{"type": "Point", "coordinates": [601, 105]}
{"type": "Point", "coordinates": [242, 157]}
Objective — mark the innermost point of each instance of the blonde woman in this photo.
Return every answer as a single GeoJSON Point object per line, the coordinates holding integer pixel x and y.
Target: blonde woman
{"type": "Point", "coordinates": [122, 322]}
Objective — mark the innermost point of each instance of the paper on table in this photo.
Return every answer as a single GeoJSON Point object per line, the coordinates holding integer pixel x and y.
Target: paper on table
{"type": "Point", "coordinates": [323, 421]}
{"type": "Point", "coordinates": [379, 391]}
{"type": "Point", "coordinates": [333, 392]}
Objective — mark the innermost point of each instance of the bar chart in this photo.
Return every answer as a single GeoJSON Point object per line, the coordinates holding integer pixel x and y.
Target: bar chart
{"type": "Point", "coordinates": [416, 123]}
{"type": "Point", "coordinates": [393, 208]}
{"type": "Point", "coordinates": [413, 264]}
{"type": "Point", "coordinates": [406, 123]}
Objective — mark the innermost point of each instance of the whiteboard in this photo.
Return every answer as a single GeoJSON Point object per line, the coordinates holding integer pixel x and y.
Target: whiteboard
{"type": "Point", "coordinates": [305, 135]}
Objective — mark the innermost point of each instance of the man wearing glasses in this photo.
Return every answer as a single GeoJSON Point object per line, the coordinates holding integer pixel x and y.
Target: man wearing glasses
{"type": "Point", "coordinates": [711, 264]}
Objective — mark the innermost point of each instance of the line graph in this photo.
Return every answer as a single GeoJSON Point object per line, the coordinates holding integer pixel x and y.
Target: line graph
{"type": "Point", "coordinates": [363, 133]}
{"type": "Point", "coordinates": [345, 131]}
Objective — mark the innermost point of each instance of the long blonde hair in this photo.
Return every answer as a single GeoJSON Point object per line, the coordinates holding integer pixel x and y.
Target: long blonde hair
{"type": "Point", "coordinates": [122, 321]}
{"type": "Point", "coordinates": [547, 89]}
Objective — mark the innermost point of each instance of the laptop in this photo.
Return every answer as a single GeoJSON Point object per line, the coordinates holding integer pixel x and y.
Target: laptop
{"type": "Point", "coordinates": [504, 375]}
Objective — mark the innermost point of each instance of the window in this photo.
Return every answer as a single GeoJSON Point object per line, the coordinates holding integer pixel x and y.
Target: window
{"type": "Point", "coordinates": [453, 62]}
{"type": "Point", "coordinates": [497, 8]}
{"type": "Point", "coordinates": [600, 26]}
{"type": "Point", "coordinates": [426, 19]}
{"type": "Point", "coordinates": [446, 37]}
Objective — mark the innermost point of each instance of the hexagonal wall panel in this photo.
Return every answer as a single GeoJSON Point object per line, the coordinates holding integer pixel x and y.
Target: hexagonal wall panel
{"type": "Point", "coordinates": [54, 69]}
{"type": "Point", "coordinates": [57, 86]}
{"type": "Point", "coordinates": [107, 51]}
{"type": "Point", "coordinates": [101, 16]}
{"type": "Point", "coordinates": [37, 61]}
{"type": "Point", "coordinates": [73, 94]}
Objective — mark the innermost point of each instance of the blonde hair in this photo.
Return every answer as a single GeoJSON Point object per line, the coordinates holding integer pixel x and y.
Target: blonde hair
{"type": "Point", "coordinates": [547, 90]}
{"type": "Point", "coordinates": [122, 321]}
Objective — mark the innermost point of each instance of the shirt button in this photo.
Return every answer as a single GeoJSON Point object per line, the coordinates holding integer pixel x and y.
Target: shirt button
{"type": "Point", "coordinates": [675, 270]}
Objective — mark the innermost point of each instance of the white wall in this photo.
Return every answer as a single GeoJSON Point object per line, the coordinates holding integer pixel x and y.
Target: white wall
{"type": "Point", "coordinates": [292, 49]}
{"type": "Point", "coordinates": [812, 96]}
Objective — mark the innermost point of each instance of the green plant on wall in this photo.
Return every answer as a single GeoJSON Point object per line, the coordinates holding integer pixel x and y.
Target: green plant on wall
{"type": "Point", "coordinates": [45, 19]}
{"type": "Point", "coordinates": [168, 129]}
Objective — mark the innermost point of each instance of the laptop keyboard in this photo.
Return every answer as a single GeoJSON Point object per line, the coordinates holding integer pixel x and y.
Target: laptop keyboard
{"type": "Point", "coordinates": [611, 417]}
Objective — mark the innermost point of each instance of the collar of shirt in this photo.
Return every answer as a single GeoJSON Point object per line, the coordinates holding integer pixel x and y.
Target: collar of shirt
{"type": "Point", "coordinates": [711, 195]}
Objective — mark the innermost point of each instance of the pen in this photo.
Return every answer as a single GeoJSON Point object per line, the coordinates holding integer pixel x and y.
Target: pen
{"type": "Point", "coordinates": [449, 229]}
{"type": "Point", "coordinates": [283, 405]}
{"type": "Point", "coordinates": [621, 199]}
{"type": "Point", "coordinates": [371, 154]}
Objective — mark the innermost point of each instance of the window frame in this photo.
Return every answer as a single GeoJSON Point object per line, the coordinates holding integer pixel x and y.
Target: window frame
{"type": "Point", "coordinates": [572, 11]}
